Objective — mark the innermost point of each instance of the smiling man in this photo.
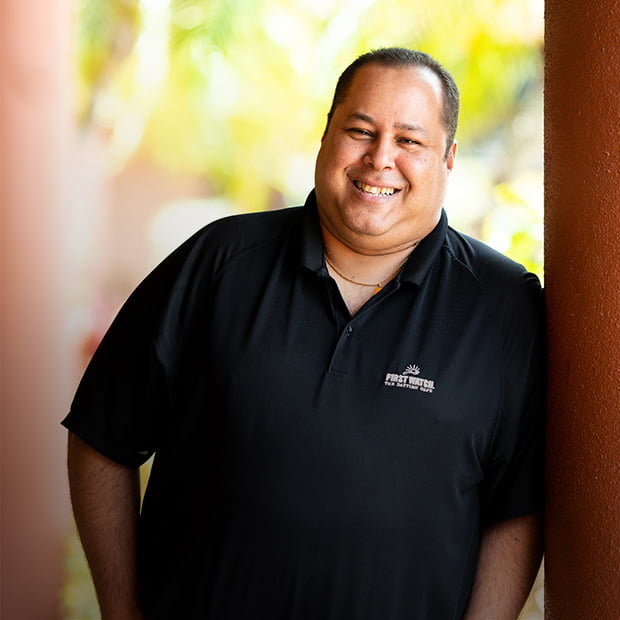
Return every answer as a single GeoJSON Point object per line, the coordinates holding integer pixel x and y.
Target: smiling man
{"type": "Point", "coordinates": [383, 165]}
{"type": "Point", "coordinates": [381, 171]}
{"type": "Point", "coordinates": [344, 399]}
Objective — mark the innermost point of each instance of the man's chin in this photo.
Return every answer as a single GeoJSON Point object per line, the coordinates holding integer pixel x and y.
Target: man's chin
{"type": "Point", "coordinates": [369, 239]}
{"type": "Point", "coordinates": [367, 227]}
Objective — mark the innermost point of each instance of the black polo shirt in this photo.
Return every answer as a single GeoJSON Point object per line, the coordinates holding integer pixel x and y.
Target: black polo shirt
{"type": "Point", "coordinates": [311, 465]}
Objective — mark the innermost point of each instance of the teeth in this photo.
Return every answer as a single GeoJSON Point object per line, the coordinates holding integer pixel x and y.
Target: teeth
{"type": "Point", "coordinates": [370, 189]}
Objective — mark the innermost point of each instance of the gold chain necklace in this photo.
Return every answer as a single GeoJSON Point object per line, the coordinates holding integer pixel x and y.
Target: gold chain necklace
{"type": "Point", "coordinates": [378, 286]}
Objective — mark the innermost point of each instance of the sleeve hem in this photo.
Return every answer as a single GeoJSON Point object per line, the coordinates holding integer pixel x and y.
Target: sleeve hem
{"type": "Point", "coordinates": [118, 456]}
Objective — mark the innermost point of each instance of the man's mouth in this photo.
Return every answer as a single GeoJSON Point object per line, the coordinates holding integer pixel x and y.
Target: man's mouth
{"type": "Point", "coordinates": [377, 191]}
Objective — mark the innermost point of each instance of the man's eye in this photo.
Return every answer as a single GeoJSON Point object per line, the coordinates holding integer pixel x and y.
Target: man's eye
{"type": "Point", "coordinates": [409, 141]}
{"type": "Point", "coordinates": [356, 131]}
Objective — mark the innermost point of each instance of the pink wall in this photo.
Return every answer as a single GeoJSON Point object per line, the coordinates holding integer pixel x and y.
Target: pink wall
{"type": "Point", "coordinates": [582, 275]}
{"type": "Point", "coordinates": [34, 62]}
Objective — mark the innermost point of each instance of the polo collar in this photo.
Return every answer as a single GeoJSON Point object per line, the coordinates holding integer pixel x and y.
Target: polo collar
{"type": "Point", "coordinates": [312, 250]}
{"type": "Point", "coordinates": [416, 267]}
{"type": "Point", "coordinates": [422, 258]}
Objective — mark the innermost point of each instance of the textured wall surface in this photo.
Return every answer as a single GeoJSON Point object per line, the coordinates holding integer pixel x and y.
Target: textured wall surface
{"type": "Point", "coordinates": [582, 278]}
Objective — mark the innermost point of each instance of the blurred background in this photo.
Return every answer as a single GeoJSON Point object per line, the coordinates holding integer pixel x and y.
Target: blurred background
{"type": "Point", "coordinates": [168, 114]}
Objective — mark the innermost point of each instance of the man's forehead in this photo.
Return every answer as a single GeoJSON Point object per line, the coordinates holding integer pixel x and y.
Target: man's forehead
{"type": "Point", "coordinates": [377, 73]}
{"type": "Point", "coordinates": [369, 81]}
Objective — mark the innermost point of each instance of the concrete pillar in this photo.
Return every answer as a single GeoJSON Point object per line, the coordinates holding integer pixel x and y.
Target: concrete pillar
{"type": "Point", "coordinates": [34, 113]}
{"type": "Point", "coordinates": [582, 278]}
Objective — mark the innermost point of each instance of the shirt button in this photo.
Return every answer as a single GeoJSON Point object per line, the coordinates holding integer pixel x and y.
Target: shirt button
{"type": "Point", "coordinates": [348, 330]}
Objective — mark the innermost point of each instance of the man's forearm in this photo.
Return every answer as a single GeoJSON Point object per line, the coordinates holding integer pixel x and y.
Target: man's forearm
{"type": "Point", "coordinates": [510, 555]}
{"type": "Point", "coordinates": [105, 498]}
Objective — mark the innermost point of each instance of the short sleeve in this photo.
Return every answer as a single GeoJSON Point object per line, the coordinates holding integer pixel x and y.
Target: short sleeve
{"type": "Point", "coordinates": [122, 397]}
{"type": "Point", "coordinates": [514, 477]}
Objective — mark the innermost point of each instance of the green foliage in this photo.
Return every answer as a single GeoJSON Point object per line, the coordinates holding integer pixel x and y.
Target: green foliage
{"type": "Point", "coordinates": [238, 90]}
{"type": "Point", "coordinates": [105, 37]}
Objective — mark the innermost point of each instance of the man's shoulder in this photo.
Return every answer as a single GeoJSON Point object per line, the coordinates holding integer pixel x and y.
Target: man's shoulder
{"type": "Point", "coordinates": [238, 234]}
{"type": "Point", "coordinates": [489, 266]}
{"type": "Point", "coordinates": [249, 228]}
{"type": "Point", "coordinates": [507, 287]}
{"type": "Point", "coordinates": [511, 295]}
{"type": "Point", "coordinates": [217, 243]}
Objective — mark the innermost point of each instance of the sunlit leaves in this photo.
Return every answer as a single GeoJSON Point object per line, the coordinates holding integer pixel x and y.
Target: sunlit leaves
{"type": "Point", "coordinates": [237, 90]}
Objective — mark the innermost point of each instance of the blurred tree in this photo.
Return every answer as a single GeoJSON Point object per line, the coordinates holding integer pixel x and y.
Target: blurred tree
{"type": "Point", "coordinates": [238, 90]}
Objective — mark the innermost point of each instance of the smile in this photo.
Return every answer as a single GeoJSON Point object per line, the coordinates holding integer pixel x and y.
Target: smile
{"type": "Point", "coordinates": [377, 191]}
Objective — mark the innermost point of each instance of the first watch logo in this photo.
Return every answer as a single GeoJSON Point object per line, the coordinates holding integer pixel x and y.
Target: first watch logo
{"type": "Point", "coordinates": [410, 379]}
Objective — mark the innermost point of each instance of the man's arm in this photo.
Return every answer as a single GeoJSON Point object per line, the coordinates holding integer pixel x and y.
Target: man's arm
{"type": "Point", "coordinates": [106, 498]}
{"type": "Point", "coordinates": [510, 555]}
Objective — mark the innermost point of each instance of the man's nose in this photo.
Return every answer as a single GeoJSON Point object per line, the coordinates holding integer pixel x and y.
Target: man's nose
{"type": "Point", "coordinates": [381, 154]}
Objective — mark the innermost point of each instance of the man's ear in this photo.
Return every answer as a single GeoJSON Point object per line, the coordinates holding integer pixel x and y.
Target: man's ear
{"type": "Point", "coordinates": [329, 118]}
{"type": "Point", "coordinates": [451, 156]}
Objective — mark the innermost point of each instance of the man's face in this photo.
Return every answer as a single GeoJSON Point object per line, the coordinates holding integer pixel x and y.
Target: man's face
{"type": "Point", "coordinates": [381, 171]}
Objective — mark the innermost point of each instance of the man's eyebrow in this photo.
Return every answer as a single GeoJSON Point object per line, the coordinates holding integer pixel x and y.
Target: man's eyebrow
{"type": "Point", "coordinates": [410, 127]}
{"type": "Point", "coordinates": [358, 116]}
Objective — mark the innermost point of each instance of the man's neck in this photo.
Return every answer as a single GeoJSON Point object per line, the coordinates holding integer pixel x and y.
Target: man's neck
{"type": "Point", "coordinates": [359, 276]}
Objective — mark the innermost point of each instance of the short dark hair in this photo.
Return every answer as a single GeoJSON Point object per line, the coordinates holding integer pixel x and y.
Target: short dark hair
{"type": "Point", "coordinates": [396, 58]}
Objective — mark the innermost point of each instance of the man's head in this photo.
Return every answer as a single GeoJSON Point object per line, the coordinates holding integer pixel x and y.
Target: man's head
{"type": "Point", "coordinates": [396, 58]}
{"type": "Point", "coordinates": [387, 151]}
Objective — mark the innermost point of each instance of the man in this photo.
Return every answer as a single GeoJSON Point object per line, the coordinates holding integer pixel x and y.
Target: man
{"type": "Point", "coordinates": [344, 399]}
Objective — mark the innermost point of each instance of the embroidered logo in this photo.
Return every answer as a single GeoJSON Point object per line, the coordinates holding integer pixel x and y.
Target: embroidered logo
{"type": "Point", "coordinates": [410, 379]}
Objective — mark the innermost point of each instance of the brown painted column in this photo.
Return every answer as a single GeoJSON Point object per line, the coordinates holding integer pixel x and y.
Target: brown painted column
{"type": "Point", "coordinates": [582, 276]}
{"type": "Point", "coordinates": [34, 112]}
